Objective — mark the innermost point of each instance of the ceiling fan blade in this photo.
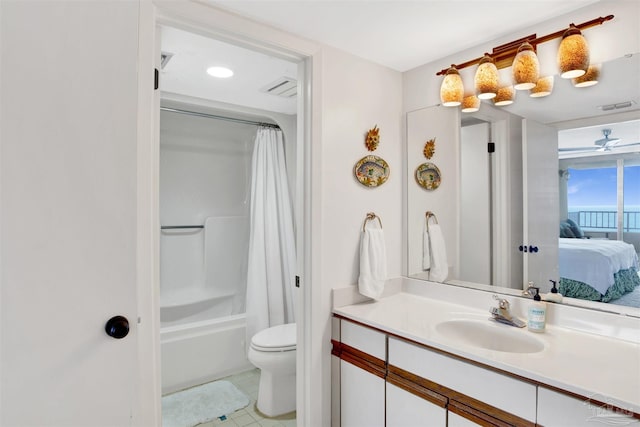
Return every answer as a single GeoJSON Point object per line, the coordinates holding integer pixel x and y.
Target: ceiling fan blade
{"type": "Point", "coordinates": [578, 149]}
{"type": "Point", "coordinates": [606, 141]}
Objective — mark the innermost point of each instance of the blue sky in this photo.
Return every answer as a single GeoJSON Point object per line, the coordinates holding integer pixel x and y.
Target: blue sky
{"type": "Point", "coordinates": [597, 187]}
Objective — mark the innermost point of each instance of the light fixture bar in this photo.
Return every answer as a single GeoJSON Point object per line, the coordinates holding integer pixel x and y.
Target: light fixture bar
{"type": "Point", "coordinates": [503, 55]}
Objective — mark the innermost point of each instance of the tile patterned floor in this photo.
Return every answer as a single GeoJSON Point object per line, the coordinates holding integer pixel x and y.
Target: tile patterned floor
{"type": "Point", "coordinates": [247, 382]}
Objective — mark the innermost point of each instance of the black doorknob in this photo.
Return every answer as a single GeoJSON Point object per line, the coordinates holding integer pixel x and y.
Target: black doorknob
{"type": "Point", "coordinates": [117, 327]}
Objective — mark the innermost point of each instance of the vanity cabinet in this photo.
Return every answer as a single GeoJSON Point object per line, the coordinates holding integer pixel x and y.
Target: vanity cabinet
{"type": "Point", "coordinates": [389, 380]}
{"type": "Point", "coordinates": [404, 384]}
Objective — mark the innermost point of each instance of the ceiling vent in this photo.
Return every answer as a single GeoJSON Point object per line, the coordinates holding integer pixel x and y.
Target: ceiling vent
{"type": "Point", "coordinates": [285, 87]}
{"type": "Point", "coordinates": [617, 106]}
{"type": "Point", "coordinates": [165, 57]}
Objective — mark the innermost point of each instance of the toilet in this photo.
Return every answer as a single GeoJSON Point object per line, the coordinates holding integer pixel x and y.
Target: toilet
{"type": "Point", "coordinates": [273, 350]}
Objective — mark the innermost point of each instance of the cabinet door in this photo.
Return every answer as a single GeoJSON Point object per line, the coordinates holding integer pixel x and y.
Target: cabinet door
{"type": "Point", "coordinates": [556, 409]}
{"type": "Point", "coordinates": [406, 409]}
{"type": "Point", "coordinates": [455, 420]}
{"type": "Point", "coordinates": [361, 397]}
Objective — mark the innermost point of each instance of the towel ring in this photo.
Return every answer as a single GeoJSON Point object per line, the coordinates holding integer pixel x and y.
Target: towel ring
{"type": "Point", "coordinates": [371, 216]}
{"type": "Point", "coordinates": [428, 215]}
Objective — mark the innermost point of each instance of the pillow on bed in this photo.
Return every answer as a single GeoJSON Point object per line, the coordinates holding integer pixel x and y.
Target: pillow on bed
{"type": "Point", "coordinates": [575, 228]}
{"type": "Point", "coordinates": [566, 231]}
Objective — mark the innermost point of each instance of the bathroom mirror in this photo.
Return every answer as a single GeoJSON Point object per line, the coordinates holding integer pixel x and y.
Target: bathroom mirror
{"type": "Point", "coordinates": [487, 208]}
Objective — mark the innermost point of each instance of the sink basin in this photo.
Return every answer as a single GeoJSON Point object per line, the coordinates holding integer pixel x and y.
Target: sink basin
{"type": "Point", "coordinates": [490, 336]}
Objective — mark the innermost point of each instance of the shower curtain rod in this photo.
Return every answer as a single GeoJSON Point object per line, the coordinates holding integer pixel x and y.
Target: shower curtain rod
{"type": "Point", "coordinates": [214, 116]}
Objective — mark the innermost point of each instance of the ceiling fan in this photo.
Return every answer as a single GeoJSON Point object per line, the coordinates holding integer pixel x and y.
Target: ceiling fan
{"type": "Point", "coordinates": [603, 144]}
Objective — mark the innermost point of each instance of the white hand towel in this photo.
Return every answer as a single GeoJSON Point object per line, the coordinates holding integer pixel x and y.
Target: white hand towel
{"type": "Point", "coordinates": [426, 251]}
{"type": "Point", "coordinates": [439, 266]}
{"type": "Point", "coordinates": [373, 263]}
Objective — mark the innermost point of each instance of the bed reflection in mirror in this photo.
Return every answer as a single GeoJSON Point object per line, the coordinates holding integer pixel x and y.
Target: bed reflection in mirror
{"type": "Point", "coordinates": [599, 233]}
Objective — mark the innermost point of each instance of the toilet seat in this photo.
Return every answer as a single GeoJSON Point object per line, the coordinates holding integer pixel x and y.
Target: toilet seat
{"type": "Point", "coordinates": [275, 338]}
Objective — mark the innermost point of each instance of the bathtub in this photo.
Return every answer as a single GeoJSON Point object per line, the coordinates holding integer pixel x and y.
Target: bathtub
{"type": "Point", "coordinates": [200, 351]}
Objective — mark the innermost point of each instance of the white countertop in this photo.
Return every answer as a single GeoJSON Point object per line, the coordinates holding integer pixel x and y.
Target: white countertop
{"type": "Point", "coordinates": [603, 368]}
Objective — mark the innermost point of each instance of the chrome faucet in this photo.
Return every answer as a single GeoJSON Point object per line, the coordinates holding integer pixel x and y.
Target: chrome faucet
{"type": "Point", "coordinates": [530, 291]}
{"type": "Point", "coordinates": [501, 313]}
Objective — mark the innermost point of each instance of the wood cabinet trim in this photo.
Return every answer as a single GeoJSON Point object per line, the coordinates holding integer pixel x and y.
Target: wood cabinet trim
{"type": "Point", "coordinates": [417, 390]}
{"type": "Point", "coordinates": [362, 360]}
{"type": "Point", "coordinates": [476, 416]}
{"type": "Point", "coordinates": [468, 407]}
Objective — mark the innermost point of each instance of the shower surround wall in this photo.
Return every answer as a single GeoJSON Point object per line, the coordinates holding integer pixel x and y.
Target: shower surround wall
{"type": "Point", "coordinates": [204, 180]}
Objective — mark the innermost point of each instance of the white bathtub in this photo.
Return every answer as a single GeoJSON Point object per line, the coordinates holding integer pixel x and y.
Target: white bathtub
{"type": "Point", "coordinates": [202, 351]}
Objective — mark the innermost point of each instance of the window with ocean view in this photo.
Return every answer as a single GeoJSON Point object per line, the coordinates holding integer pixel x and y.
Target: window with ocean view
{"type": "Point", "coordinates": [593, 199]}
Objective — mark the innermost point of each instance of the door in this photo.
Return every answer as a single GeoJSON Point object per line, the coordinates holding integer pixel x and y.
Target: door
{"type": "Point", "coordinates": [476, 248]}
{"type": "Point", "coordinates": [68, 212]}
{"type": "Point", "coordinates": [540, 207]}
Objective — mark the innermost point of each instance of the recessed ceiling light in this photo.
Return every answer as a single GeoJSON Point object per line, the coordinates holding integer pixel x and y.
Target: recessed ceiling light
{"type": "Point", "coordinates": [220, 72]}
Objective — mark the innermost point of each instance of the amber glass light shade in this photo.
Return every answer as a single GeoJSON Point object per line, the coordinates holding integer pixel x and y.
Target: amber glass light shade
{"type": "Point", "coordinates": [525, 68]}
{"type": "Point", "coordinates": [573, 54]}
{"type": "Point", "coordinates": [589, 78]}
{"type": "Point", "coordinates": [505, 96]}
{"type": "Point", "coordinates": [486, 78]}
{"type": "Point", "coordinates": [451, 90]}
{"type": "Point", "coordinates": [470, 104]}
{"type": "Point", "coordinates": [544, 87]}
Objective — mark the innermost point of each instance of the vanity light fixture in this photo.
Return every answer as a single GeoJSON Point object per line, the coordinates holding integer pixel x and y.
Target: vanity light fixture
{"type": "Point", "coordinates": [525, 68]}
{"type": "Point", "coordinates": [220, 72]}
{"type": "Point", "coordinates": [544, 87]}
{"type": "Point", "coordinates": [470, 104]}
{"type": "Point", "coordinates": [589, 78]}
{"type": "Point", "coordinates": [451, 90]}
{"type": "Point", "coordinates": [573, 59]}
{"type": "Point", "coordinates": [505, 96]}
{"type": "Point", "coordinates": [573, 54]}
{"type": "Point", "coordinates": [486, 78]}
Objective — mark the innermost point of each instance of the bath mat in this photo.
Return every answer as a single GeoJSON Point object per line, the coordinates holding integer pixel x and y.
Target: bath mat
{"type": "Point", "coordinates": [190, 407]}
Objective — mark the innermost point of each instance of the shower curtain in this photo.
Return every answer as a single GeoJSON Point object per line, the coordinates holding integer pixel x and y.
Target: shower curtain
{"type": "Point", "coordinates": [272, 256]}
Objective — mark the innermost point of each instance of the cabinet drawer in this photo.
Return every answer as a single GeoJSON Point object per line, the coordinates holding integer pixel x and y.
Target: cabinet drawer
{"type": "Point", "coordinates": [364, 339]}
{"type": "Point", "coordinates": [495, 389]}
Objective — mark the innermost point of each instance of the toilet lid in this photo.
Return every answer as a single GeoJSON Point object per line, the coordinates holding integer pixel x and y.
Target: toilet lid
{"type": "Point", "coordinates": [276, 338]}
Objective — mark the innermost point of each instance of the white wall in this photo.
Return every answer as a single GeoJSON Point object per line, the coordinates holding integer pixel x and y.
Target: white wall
{"type": "Point", "coordinates": [357, 95]}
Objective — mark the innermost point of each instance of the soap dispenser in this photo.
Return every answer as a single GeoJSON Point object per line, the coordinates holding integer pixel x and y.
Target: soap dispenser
{"type": "Point", "coordinates": [537, 313]}
{"type": "Point", "coordinates": [554, 295]}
